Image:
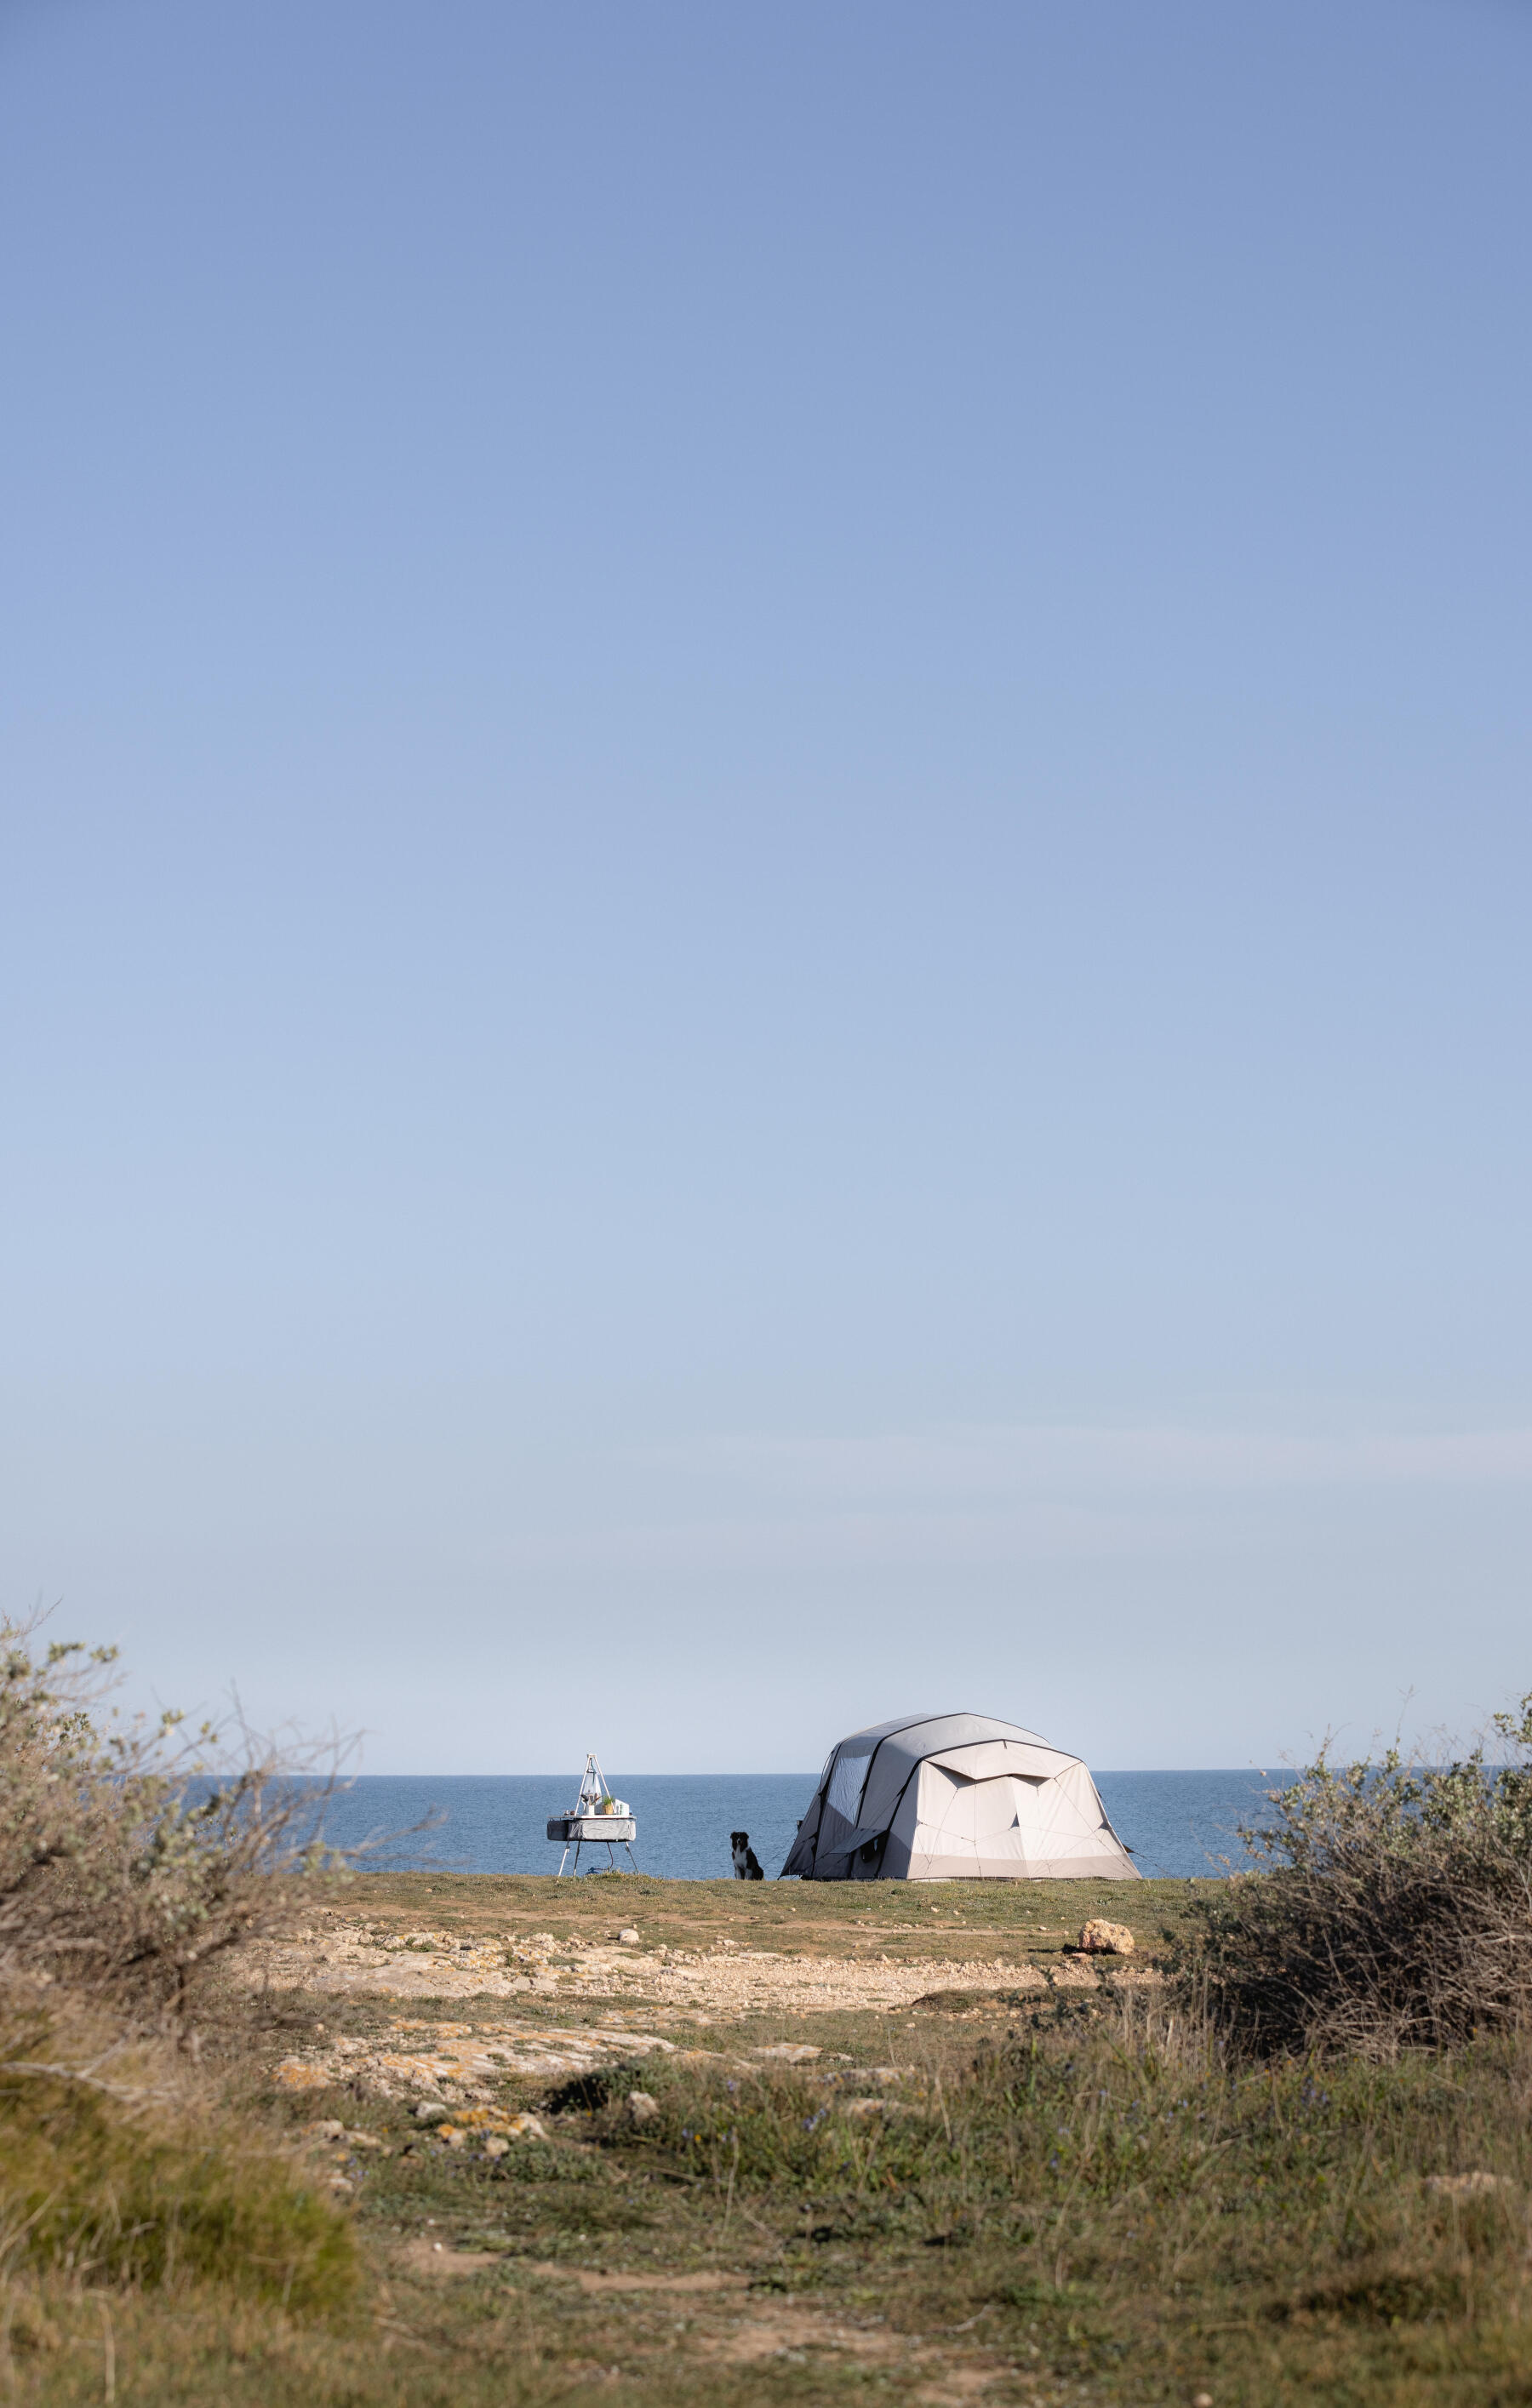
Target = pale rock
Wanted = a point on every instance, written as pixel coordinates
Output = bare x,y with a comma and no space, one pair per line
432,2110
294,2074
1102,1938
643,2108
1464,2186
629,1939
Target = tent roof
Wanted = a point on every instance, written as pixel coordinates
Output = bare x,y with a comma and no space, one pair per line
925,1727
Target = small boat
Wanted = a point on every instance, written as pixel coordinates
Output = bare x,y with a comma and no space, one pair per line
596,1819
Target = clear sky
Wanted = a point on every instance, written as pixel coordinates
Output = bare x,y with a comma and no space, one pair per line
764,913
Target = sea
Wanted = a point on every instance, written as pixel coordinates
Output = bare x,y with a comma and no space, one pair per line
1181,1825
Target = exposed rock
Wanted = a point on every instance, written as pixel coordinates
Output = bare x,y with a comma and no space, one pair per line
1102,1938
431,2110
629,1938
1464,2186
294,2074
450,2062
643,2108
1072,1975
494,2131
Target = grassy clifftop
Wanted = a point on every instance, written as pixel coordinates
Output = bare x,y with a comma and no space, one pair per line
437,2139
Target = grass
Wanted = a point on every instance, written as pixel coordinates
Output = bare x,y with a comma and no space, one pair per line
904,1919
116,2182
1074,2199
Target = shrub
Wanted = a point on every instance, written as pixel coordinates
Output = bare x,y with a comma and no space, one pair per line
124,1866
1392,1911
124,1871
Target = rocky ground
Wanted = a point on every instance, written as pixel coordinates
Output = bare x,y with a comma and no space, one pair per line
724,1979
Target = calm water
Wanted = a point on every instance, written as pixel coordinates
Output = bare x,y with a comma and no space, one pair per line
1179,1822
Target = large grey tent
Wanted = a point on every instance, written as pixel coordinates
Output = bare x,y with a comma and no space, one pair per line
955,1798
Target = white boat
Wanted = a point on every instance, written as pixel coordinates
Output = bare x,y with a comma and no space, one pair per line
596,1818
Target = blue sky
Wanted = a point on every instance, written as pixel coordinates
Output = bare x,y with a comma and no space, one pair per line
764,919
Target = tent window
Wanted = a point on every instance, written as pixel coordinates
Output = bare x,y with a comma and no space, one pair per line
846,1781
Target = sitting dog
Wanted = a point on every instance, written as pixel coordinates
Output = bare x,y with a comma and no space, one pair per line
746,1864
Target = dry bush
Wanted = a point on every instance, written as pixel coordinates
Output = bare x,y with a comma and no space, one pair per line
1393,1909
131,1860
131,1857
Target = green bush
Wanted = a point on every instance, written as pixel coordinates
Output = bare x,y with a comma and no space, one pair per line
1393,1909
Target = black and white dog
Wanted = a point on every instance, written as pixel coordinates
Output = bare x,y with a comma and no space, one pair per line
746,1864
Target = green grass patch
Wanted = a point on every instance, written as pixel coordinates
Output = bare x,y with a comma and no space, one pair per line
106,2191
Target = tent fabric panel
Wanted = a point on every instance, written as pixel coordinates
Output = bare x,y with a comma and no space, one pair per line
986,1758
971,1868
1018,1824
800,1856
897,1846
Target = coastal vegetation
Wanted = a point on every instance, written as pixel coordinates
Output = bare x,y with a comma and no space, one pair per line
1280,2150
1392,1909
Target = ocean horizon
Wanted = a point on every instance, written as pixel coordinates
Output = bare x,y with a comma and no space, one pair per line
1176,1825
